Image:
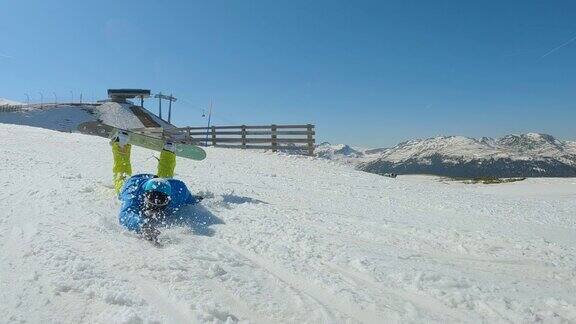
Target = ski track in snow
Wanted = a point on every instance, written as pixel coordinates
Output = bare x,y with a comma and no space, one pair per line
286,239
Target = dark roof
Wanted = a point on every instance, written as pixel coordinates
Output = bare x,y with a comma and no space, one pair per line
128,93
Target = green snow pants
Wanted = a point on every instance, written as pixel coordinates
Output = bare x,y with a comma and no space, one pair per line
122,167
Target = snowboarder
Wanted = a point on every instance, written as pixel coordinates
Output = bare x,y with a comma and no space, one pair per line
148,200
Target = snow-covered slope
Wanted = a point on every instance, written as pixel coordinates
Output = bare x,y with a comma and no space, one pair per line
67,117
120,115
278,239
62,118
529,154
4,101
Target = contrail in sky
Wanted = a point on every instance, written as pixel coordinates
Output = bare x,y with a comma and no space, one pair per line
5,56
559,47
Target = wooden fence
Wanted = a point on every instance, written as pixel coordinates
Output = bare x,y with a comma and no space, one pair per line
273,137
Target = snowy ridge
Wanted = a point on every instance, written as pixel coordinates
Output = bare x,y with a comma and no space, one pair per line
289,239
521,147
529,154
9,102
339,152
66,118
120,115
526,155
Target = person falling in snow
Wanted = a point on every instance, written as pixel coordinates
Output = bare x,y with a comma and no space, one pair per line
148,200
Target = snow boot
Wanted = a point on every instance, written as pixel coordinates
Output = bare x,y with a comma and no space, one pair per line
167,161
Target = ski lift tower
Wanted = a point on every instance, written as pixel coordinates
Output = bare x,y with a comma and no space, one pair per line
170,98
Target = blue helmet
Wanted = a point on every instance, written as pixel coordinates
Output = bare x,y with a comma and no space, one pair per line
158,185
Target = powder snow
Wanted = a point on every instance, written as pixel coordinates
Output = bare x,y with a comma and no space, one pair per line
278,238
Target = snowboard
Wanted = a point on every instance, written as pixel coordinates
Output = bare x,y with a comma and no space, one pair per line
184,150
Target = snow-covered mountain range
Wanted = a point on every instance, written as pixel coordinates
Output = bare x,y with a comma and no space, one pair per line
527,155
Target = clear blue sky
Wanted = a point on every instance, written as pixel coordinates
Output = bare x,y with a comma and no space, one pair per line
368,73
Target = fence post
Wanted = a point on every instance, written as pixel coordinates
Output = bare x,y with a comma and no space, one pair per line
189,138
274,137
213,135
243,136
310,140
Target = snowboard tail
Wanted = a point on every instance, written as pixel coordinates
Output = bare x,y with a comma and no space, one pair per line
184,150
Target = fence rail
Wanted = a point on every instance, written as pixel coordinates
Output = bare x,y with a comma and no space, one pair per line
274,137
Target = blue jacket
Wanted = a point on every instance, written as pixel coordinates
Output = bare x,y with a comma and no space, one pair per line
132,199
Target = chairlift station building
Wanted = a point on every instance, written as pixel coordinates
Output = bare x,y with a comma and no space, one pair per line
121,95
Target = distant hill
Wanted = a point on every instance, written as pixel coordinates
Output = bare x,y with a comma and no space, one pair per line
342,153
67,117
4,102
526,155
330,151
